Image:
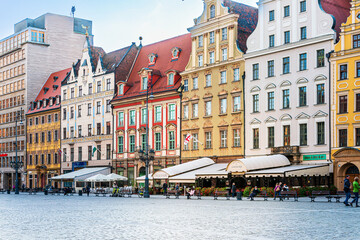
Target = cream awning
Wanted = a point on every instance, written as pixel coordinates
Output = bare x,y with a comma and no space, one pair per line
256,163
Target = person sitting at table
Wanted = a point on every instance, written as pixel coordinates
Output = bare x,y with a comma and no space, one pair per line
255,192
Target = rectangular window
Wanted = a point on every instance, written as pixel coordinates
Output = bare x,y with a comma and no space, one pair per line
143,116
89,109
72,93
98,128
171,140
255,71
255,138
271,40
108,84
208,140
303,33
343,138
212,37
195,145
320,58
172,112
223,105
208,80
343,72
236,135
224,54
286,129
144,83
64,115
343,104
108,127
89,152
195,110
158,114
357,102
171,79
79,110
64,155
223,139
186,85
286,11
132,118
89,130
201,41
222,77
79,153
121,144
271,100
357,136
64,135
157,141
121,119
224,33
286,98
108,151
132,143
303,6
49,136
271,69
256,103
195,83
72,155
71,112
358,69
287,37
90,89
56,135
98,89
79,130
236,75
320,133
186,145
236,104
200,60
286,65
271,15
303,62
302,96
98,107
271,137
356,41
303,134
320,94
211,57
143,142
108,105
208,108
72,132
186,112
98,151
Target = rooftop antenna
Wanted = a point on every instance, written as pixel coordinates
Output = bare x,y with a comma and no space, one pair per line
73,9
140,38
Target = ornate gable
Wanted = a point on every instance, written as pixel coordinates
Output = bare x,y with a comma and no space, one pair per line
255,121
320,114
302,115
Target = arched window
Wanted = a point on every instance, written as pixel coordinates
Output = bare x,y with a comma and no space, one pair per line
212,11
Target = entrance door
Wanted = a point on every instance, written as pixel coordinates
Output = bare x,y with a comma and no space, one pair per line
353,172
142,171
43,180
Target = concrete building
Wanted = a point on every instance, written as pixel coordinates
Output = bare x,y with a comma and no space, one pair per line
213,104
86,116
158,68
43,133
287,80
37,48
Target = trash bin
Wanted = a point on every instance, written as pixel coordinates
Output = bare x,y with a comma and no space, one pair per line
8,191
46,192
239,196
80,192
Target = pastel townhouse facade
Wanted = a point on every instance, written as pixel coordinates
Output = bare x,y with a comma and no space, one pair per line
37,48
287,80
345,69
86,116
213,97
157,71
43,133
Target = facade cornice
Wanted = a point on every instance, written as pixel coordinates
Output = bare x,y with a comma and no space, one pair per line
213,24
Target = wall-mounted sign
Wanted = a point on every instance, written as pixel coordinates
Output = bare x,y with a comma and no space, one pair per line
314,157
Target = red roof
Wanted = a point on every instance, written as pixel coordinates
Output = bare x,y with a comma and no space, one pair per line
51,88
339,9
162,65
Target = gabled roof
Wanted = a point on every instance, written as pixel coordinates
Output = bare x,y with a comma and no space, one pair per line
51,88
339,9
163,63
247,21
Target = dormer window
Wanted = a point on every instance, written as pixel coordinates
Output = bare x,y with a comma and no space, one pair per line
38,104
152,58
144,83
212,11
121,89
57,100
171,79
84,72
44,103
51,101
175,52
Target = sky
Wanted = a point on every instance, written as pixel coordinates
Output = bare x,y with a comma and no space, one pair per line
116,23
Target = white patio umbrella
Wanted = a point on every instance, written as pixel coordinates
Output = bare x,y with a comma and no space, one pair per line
97,178
115,177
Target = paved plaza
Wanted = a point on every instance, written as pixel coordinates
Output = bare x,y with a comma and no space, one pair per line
73,217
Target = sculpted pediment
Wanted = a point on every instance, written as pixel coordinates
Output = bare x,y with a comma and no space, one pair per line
302,115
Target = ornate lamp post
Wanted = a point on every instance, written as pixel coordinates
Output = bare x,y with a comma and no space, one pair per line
16,164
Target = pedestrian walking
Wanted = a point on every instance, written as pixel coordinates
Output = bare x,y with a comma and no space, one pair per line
87,190
347,190
165,186
233,190
177,188
277,190
356,192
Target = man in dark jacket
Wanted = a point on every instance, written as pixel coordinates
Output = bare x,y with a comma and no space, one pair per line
165,186
255,192
233,190
347,190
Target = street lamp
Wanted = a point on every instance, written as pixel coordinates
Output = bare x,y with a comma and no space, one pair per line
17,164
146,155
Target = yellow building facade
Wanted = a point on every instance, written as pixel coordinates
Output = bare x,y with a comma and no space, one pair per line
345,72
212,101
43,134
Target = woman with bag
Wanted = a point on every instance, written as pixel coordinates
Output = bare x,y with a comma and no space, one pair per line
277,190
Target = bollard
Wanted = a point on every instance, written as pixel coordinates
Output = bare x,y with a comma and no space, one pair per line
46,192
80,192
239,196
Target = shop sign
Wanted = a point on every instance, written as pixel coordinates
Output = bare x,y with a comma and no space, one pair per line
314,157
3,155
